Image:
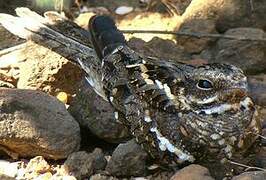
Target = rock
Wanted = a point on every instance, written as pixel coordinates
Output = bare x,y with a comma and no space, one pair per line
160,175
157,47
99,161
81,164
8,169
261,156
192,172
34,123
192,44
6,84
181,5
257,86
255,175
102,177
228,13
83,19
238,13
173,7
47,71
123,10
37,166
128,159
91,111
4,177
248,55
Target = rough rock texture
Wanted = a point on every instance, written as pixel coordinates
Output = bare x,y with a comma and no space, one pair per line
36,167
47,71
128,159
91,111
196,45
99,161
81,164
257,86
192,172
228,13
248,55
255,175
157,47
34,123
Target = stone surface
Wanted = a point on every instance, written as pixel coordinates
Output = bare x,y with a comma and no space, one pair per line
47,71
8,169
99,161
248,55
228,13
257,86
157,47
91,111
34,123
255,175
36,167
192,44
81,164
4,177
128,159
103,177
192,172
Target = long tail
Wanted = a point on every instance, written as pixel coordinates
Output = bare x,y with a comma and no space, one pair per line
62,36
105,36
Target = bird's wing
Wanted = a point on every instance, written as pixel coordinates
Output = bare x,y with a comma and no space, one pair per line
60,35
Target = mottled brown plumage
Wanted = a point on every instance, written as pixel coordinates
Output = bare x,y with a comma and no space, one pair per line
177,112
175,109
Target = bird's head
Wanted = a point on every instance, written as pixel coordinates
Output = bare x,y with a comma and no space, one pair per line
221,112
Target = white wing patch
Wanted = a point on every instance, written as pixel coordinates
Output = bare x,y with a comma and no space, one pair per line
165,144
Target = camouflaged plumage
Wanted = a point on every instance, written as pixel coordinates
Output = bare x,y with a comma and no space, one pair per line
167,106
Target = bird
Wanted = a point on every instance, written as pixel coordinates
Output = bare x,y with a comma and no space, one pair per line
177,112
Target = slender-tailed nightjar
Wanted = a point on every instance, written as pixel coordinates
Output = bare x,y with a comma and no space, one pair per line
177,112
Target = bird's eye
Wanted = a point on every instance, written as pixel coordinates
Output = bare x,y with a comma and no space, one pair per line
204,84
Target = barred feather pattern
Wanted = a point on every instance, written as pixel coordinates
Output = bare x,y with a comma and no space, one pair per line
177,112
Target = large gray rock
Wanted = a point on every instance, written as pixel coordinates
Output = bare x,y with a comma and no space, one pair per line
34,123
248,55
192,172
128,159
81,164
96,114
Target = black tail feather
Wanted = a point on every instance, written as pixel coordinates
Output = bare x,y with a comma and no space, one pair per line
105,36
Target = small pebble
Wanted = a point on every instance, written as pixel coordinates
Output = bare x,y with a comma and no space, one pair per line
123,10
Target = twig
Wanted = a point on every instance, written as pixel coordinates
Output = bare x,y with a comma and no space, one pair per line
11,49
251,5
191,34
246,166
